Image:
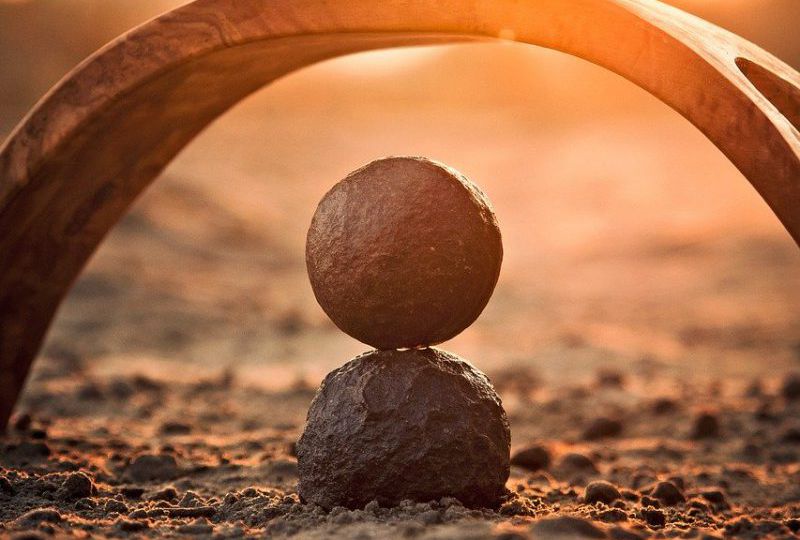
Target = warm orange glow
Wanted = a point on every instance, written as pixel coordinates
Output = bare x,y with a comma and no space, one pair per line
644,333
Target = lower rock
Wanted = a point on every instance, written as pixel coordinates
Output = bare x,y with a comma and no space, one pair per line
395,425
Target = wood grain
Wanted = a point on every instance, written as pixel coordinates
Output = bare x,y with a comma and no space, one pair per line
91,145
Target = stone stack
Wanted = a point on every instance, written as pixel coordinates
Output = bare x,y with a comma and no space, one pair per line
404,254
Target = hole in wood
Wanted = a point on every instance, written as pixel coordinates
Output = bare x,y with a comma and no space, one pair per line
780,92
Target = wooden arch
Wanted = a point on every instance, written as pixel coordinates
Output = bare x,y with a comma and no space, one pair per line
74,165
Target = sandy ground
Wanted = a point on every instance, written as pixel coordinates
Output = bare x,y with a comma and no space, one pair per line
645,328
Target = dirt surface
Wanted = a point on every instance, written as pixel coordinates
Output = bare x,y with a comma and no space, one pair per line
644,331
134,455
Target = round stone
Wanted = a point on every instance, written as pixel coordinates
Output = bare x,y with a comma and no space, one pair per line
601,491
404,252
395,425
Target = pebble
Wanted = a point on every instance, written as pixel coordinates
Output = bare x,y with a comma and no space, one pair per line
698,505
791,387
191,499
132,492
153,467
629,495
39,515
714,496
139,513
649,501
612,515
607,378
668,493
566,526
90,391
38,434
532,458
791,435
706,426
654,518
601,491
5,486
76,486
116,506
131,526
146,384
576,463
602,428
166,494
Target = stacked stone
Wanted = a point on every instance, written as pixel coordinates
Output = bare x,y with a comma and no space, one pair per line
404,254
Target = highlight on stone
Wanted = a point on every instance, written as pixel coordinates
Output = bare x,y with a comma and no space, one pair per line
404,252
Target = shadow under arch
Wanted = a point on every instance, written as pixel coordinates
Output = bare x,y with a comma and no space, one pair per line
74,165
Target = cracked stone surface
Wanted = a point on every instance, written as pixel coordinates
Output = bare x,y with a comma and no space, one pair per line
396,425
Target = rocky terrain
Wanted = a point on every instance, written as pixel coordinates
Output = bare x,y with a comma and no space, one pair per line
609,458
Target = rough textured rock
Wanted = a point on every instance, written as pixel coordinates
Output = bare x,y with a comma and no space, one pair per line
404,252
395,425
76,486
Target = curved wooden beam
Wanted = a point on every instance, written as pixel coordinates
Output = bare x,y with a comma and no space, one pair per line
78,160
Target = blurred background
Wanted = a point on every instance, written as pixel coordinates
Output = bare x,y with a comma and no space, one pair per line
630,240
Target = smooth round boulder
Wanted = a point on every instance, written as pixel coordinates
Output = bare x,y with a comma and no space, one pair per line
395,425
404,252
